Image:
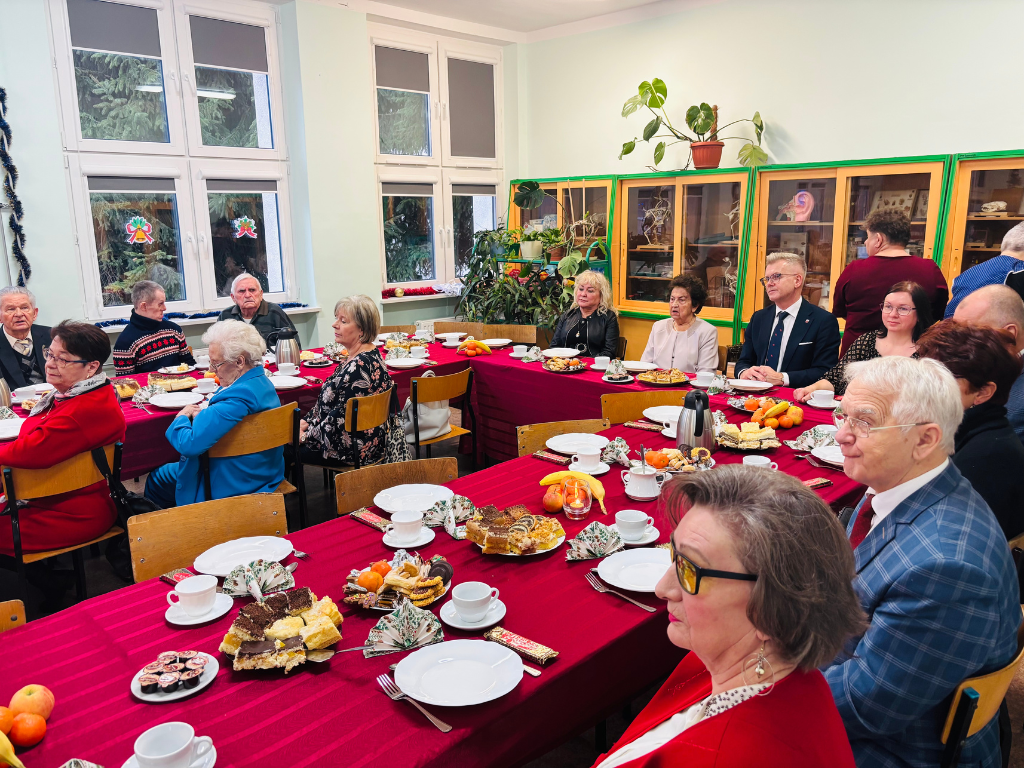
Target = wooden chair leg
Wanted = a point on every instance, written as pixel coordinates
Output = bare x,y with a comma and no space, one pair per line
94,550
81,591
299,480
327,478
601,737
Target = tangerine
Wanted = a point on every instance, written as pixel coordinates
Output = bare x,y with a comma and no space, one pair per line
27,729
771,423
752,404
656,459
785,421
382,567
6,718
370,580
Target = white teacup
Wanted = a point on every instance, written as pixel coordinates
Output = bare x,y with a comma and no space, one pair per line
419,352
25,392
760,461
704,378
473,599
601,361
519,350
632,524
405,526
287,369
171,745
823,396
203,361
586,461
644,485
206,386
195,595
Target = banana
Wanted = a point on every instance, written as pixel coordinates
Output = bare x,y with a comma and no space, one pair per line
595,485
7,753
481,346
775,410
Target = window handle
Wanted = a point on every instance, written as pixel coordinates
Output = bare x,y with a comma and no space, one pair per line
174,80
444,109
187,79
451,238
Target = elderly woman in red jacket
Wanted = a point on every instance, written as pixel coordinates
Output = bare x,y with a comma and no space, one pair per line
80,413
761,594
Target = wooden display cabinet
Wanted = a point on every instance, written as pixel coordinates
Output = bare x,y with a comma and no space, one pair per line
591,197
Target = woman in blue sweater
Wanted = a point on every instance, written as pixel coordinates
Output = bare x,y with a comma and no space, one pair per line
236,356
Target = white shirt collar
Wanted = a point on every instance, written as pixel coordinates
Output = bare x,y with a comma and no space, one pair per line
792,309
885,502
11,340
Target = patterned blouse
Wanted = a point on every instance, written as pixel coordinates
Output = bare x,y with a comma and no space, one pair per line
862,349
363,374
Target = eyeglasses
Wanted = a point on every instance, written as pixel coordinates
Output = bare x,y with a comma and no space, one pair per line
690,574
61,362
861,428
217,366
776,277
902,311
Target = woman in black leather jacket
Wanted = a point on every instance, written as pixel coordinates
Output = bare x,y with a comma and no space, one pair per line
590,325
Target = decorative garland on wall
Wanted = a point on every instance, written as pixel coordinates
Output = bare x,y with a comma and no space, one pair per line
10,182
196,316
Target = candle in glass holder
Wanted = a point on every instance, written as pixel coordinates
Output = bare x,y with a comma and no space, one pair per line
576,498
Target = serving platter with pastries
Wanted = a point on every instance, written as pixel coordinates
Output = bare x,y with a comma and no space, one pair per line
672,377
675,460
748,436
384,585
769,411
174,675
514,531
318,359
125,387
564,365
171,383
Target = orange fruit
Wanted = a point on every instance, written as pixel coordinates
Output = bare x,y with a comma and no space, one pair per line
771,423
758,415
656,459
6,718
752,404
470,345
785,421
27,729
796,414
470,353
381,567
370,580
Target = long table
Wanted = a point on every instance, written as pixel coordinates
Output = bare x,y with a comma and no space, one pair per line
334,714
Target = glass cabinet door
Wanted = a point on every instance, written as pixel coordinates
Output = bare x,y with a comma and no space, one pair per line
907,192
650,236
545,217
984,230
711,238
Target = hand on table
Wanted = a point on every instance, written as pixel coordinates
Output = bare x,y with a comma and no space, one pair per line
757,373
802,395
773,377
190,410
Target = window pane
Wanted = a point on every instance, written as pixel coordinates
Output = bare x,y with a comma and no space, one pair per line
471,213
120,97
403,118
711,239
137,239
246,238
234,108
471,107
409,238
650,242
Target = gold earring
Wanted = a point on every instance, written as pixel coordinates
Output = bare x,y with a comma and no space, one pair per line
758,662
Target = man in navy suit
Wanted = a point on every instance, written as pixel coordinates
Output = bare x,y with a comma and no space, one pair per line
792,342
22,341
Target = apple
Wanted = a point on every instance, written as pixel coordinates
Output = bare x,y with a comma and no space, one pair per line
34,699
552,500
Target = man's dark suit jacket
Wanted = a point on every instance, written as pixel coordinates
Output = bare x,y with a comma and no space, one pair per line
812,349
9,366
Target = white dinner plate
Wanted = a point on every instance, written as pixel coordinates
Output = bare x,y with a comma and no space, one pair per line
287,382
638,570
560,352
405,362
172,369
831,454
221,605
638,366
626,380
411,497
10,428
494,343
224,558
175,400
749,385
208,676
459,673
663,414
574,442
450,335
450,616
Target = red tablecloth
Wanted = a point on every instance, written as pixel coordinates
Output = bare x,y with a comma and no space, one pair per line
334,714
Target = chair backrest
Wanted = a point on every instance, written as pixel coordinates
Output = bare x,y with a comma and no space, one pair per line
620,407
476,330
357,488
367,412
532,437
520,334
428,389
12,614
172,538
620,348
258,432
991,689
397,329
69,475
723,357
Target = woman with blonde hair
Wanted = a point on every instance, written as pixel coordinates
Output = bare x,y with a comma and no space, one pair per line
590,325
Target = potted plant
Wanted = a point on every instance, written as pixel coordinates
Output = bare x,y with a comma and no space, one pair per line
705,144
553,244
531,246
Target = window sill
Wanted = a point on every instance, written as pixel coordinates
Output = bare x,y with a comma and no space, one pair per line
402,299
185,323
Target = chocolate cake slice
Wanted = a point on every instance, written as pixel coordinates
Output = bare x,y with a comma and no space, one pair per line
300,600
247,629
277,604
270,654
260,615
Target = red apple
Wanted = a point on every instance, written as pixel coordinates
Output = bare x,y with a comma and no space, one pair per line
34,699
552,500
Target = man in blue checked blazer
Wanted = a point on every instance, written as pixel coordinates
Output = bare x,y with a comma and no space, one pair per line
790,342
934,574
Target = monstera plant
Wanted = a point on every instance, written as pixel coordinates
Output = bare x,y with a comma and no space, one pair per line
702,119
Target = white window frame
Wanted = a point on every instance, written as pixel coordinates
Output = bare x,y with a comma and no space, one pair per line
252,15
83,166
443,266
389,37
63,61
204,169
451,177
484,54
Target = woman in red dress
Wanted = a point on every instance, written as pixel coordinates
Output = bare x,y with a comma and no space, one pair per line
80,413
761,594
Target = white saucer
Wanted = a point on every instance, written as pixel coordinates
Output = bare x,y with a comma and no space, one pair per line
221,605
601,469
206,761
425,538
451,617
826,407
451,345
626,380
594,367
641,498
513,355
693,383
669,433
650,536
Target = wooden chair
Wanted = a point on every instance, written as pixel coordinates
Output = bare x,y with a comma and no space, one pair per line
430,389
723,357
520,334
397,329
12,614
975,703
621,407
70,475
620,348
260,432
172,538
532,437
356,490
476,330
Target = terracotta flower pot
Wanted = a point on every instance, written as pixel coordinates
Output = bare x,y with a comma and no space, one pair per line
707,154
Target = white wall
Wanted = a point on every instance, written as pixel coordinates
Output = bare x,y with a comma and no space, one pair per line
833,80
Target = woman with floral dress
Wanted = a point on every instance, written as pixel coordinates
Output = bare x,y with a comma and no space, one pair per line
325,441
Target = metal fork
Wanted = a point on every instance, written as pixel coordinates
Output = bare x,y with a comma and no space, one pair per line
395,693
815,463
599,585
300,555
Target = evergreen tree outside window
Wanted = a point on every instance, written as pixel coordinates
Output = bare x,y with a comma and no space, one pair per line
403,101
474,209
408,211
245,233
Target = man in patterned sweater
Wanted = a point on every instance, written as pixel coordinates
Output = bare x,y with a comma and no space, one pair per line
149,342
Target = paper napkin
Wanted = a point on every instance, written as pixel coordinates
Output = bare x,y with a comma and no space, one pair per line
616,452
532,355
596,540
7,413
76,763
458,506
815,437
258,578
404,628
144,393
397,353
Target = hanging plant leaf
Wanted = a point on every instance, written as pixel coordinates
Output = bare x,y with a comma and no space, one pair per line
659,152
633,103
700,119
758,125
752,155
628,147
529,195
659,87
652,128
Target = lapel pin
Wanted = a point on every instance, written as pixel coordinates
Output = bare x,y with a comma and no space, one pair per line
807,320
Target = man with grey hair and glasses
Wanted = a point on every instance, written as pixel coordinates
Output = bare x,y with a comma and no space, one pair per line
990,272
22,342
250,307
934,574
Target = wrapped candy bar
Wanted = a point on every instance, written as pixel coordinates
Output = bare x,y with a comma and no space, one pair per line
535,652
366,517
